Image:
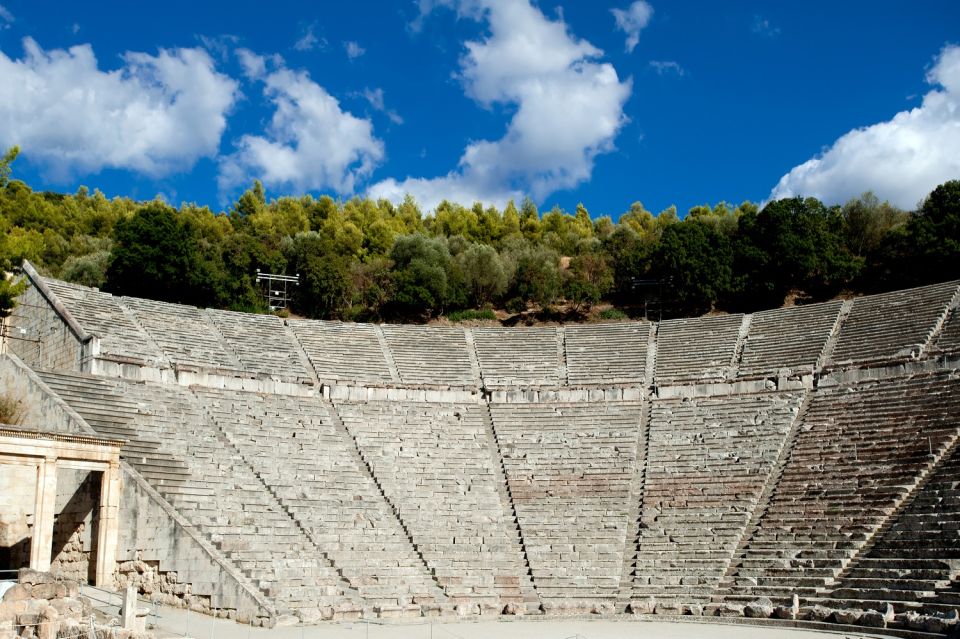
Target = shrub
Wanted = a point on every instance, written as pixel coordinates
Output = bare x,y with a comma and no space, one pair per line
471,314
612,314
12,410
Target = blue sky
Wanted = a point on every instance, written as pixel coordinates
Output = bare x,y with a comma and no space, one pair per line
602,103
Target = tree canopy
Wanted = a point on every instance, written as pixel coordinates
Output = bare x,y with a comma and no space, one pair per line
363,259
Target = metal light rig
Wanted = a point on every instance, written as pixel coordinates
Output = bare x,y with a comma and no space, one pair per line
276,288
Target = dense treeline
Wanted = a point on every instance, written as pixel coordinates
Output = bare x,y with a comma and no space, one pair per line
372,260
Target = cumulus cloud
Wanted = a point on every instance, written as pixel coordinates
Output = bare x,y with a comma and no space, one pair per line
632,20
353,49
900,160
155,115
567,109
311,143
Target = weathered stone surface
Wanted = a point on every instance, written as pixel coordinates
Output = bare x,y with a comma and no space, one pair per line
761,608
643,606
669,608
727,609
847,616
873,619
817,613
20,592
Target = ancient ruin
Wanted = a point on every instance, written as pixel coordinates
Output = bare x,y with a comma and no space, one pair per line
798,464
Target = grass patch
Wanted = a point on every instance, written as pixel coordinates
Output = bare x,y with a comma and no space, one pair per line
612,314
469,314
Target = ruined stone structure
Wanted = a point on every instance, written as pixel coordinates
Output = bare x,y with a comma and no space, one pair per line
798,463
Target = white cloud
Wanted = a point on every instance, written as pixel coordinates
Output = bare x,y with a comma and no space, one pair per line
155,115
309,40
663,67
375,98
567,108
353,50
900,160
5,15
310,143
632,20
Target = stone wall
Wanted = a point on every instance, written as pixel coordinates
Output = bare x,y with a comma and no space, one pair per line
17,496
45,411
75,527
40,336
167,561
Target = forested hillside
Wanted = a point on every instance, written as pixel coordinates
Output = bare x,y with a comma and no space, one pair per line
372,260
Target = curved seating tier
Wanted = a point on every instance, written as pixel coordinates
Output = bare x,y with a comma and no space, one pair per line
295,448
262,343
435,355
183,334
343,351
435,464
569,468
788,339
707,463
859,451
892,326
523,356
604,354
102,315
916,563
949,340
697,349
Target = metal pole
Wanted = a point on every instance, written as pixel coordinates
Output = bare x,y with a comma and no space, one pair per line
212,624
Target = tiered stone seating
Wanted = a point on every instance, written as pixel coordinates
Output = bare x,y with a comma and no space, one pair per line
949,340
859,451
183,333
435,464
522,356
607,353
100,314
104,406
343,351
788,340
262,344
293,445
434,355
697,349
227,502
892,326
916,564
707,462
184,457
569,467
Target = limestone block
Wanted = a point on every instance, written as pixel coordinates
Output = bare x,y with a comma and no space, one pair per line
727,609
873,619
761,608
816,613
847,616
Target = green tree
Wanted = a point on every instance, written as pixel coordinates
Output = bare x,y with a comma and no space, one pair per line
587,280
155,256
793,244
486,277
696,261
421,275
5,164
